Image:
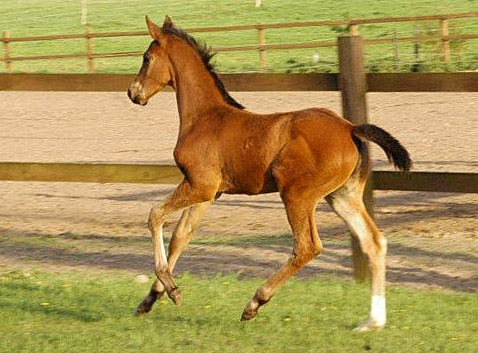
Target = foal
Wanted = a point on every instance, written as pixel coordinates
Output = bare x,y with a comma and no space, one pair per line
304,155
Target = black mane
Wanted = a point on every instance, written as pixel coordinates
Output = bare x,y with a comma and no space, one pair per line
206,55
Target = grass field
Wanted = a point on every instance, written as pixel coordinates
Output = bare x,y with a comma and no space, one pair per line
74,312
34,17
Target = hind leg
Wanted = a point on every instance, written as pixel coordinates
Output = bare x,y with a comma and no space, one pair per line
304,173
347,203
182,234
307,245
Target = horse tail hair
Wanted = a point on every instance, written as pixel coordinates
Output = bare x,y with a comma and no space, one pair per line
396,153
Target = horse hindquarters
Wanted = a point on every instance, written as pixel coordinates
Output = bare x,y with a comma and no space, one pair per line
302,178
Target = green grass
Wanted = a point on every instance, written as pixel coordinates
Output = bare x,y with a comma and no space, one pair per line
46,17
74,312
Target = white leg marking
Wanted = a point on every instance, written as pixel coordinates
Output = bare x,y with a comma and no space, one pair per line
164,259
359,226
160,259
378,313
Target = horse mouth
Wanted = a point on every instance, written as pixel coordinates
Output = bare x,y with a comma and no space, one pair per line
136,99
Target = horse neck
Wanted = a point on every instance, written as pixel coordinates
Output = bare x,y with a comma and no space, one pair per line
196,91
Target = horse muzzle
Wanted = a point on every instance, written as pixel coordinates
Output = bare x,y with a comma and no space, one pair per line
136,95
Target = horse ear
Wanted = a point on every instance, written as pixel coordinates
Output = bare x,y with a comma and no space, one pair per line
168,22
155,31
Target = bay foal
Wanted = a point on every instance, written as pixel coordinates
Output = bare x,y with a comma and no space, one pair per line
304,155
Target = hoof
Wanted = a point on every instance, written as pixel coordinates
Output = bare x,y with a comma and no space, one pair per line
143,308
176,296
369,326
147,303
248,314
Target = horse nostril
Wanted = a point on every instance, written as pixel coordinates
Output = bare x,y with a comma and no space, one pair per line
129,94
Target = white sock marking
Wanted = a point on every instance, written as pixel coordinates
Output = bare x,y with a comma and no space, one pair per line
161,244
378,312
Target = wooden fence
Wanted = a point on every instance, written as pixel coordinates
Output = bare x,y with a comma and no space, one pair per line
352,81
170,174
353,27
375,82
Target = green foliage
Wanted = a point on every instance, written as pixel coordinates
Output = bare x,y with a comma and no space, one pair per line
73,312
47,17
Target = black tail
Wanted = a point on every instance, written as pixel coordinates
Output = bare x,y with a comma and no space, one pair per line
396,153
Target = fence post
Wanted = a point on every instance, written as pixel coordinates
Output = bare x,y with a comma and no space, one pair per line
89,51
84,12
395,51
353,86
444,32
353,30
6,47
416,50
262,51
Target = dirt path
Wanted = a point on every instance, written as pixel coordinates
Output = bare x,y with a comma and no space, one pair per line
432,236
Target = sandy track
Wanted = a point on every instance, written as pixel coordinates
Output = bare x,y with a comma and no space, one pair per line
432,236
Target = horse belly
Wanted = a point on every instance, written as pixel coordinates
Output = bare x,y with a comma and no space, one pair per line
249,181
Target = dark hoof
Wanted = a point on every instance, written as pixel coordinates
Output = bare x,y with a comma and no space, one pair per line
142,309
248,315
176,296
146,305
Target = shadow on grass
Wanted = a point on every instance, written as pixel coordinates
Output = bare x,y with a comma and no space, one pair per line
246,256
78,315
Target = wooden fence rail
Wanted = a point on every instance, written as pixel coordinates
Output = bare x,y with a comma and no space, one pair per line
254,82
170,174
353,26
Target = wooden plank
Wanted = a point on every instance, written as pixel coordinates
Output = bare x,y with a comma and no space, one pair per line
305,24
422,39
69,82
302,45
74,56
47,57
170,174
120,82
256,82
426,181
90,173
413,18
257,26
47,38
423,82
377,82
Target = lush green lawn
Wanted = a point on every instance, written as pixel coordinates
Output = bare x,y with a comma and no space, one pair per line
35,17
74,312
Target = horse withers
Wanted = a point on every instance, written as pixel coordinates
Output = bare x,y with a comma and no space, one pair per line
304,155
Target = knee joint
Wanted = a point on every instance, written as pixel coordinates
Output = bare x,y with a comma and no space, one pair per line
155,217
